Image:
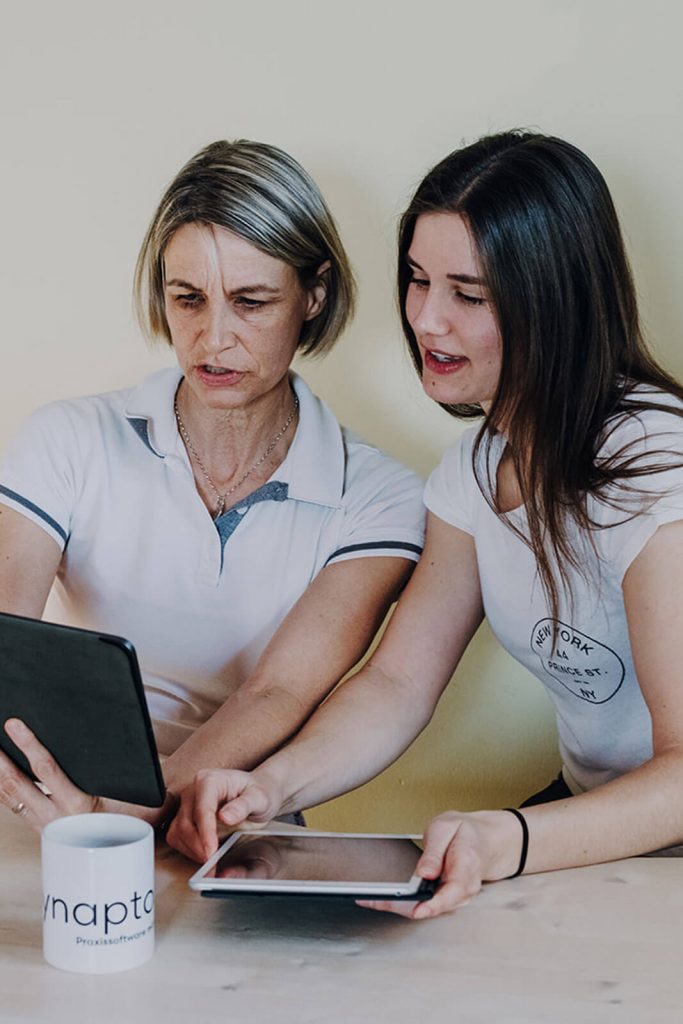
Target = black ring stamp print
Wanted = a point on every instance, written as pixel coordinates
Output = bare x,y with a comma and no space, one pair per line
585,667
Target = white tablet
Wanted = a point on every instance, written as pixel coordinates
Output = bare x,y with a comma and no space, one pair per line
306,863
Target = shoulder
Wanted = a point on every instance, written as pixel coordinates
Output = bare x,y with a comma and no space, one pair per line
648,420
332,465
380,510
84,424
72,419
458,458
82,408
452,487
641,459
381,503
369,468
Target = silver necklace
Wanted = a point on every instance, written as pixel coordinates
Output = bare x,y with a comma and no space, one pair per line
222,498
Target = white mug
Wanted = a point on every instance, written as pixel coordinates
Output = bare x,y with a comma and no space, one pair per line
98,892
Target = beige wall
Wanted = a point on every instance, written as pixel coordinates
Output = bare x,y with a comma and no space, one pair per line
99,105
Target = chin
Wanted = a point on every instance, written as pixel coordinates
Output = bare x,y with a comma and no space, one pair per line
440,391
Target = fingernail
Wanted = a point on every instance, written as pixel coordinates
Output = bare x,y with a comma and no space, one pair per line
15,725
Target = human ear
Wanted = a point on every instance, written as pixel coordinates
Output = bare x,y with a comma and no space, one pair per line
317,292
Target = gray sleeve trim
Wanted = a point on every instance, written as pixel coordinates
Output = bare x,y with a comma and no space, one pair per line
376,545
36,511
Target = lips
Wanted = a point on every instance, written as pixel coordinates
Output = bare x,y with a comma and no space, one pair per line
217,376
443,362
215,370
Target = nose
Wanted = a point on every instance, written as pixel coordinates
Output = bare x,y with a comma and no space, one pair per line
218,329
431,316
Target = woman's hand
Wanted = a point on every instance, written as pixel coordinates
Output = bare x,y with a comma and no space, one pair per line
462,851
221,796
24,797
56,796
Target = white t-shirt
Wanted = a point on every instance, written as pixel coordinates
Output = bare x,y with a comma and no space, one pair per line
603,722
109,479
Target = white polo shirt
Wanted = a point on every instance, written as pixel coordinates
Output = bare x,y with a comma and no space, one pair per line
109,479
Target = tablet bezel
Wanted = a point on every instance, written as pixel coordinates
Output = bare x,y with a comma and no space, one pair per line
415,888
94,702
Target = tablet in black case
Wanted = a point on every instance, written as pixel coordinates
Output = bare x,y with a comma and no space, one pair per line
82,695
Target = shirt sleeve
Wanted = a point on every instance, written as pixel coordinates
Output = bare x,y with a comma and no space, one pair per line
383,510
449,491
40,469
635,508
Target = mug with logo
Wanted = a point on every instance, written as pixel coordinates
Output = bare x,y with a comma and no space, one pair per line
98,892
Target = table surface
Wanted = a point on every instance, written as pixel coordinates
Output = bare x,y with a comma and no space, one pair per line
596,944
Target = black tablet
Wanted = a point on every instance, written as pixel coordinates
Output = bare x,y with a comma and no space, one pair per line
301,862
81,693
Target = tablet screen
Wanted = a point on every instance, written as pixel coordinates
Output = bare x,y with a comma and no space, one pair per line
314,858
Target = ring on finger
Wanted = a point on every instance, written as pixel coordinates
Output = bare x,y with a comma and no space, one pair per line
20,809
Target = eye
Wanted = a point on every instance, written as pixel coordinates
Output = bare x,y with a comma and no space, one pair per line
188,300
247,303
419,282
469,300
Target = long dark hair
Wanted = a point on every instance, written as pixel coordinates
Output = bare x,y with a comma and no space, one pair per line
551,251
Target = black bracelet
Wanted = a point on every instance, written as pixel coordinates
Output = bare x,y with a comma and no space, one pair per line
525,840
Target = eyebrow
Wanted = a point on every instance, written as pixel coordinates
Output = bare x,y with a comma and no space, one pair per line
247,289
461,278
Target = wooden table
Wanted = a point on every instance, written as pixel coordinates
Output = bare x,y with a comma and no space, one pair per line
597,944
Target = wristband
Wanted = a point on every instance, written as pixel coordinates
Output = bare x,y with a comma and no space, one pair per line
525,840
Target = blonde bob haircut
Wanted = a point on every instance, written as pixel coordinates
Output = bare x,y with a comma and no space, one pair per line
263,195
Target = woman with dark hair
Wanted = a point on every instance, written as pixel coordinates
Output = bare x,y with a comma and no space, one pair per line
560,518
216,514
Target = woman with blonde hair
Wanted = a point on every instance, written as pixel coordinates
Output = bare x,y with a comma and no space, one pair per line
217,514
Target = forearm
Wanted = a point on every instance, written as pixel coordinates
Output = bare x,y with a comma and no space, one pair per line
370,720
251,724
636,813
362,728
639,812
324,635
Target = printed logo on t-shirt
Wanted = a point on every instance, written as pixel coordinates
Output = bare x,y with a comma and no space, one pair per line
584,666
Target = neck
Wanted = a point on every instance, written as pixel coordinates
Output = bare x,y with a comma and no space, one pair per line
230,441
